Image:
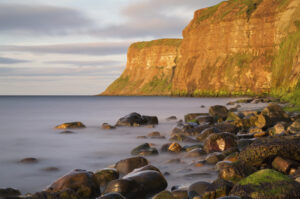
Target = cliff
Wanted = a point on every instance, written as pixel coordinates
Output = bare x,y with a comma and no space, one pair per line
236,47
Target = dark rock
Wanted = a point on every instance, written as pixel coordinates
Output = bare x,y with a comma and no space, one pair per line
180,194
215,157
283,165
70,125
82,182
127,165
9,193
232,157
195,153
264,149
275,113
107,126
67,132
217,189
243,143
104,176
29,160
191,117
165,147
191,129
126,187
51,169
144,150
181,138
230,197
204,119
205,133
156,135
227,127
112,196
141,137
267,183
219,142
234,171
232,116
145,168
164,195
64,194
198,189
135,119
218,112
188,148
171,118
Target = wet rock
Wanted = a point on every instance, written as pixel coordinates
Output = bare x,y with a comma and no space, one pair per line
232,157
82,182
29,160
175,160
217,189
171,118
218,112
191,117
146,168
243,143
204,119
104,176
267,183
71,125
66,132
107,126
264,149
112,196
294,127
198,189
180,194
230,197
219,142
141,137
283,165
205,133
195,153
275,113
278,129
156,135
64,194
191,147
144,150
127,165
227,127
165,147
215,157
126,187
234,171
135,119
175,147
9,193
232,117
164,195
182,138
51,169
191,129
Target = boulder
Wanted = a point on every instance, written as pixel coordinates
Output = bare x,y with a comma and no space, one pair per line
145,168
171,118
156,135
181,138
198,189
204,119
205,133
227,127
234,171
275,113
83,183
191,129
294,127
9,193
135,119
284,165
264,149
278,129
191,147
195,153
29,160
126,187
243,143
180,194
218,112
107,126
164,195
219,142
144,150
71,125
215,157
191,117
127,165
112,196
165,147
175,147
104,176
267,183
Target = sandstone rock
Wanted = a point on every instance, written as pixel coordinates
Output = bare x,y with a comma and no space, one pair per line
164,195
82,182
283,165
219,142
135,119
144,150
267,183
266,148
104,176
232,117
218,112
278,129
175,147
71,125
127,165
294,127
112,196
107,126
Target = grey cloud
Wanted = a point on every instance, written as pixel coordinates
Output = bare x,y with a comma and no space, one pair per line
102,48
41,19
5,60
87,63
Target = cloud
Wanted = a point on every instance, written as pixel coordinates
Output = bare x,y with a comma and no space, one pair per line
41,19
5,60
87,63
154,18
97,48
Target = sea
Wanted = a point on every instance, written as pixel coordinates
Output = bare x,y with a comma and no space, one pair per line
27,130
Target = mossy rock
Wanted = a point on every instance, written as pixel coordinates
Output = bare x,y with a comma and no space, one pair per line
164,195
269,184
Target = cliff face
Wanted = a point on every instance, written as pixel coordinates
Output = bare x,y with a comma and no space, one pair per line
237,47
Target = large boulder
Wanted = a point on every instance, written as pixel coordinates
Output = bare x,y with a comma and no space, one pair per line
144,150
70,125
267,183
265,149
104,176
82,183
125,166
275,113
112,196
294,127
126,187
135,119
218,112
219,142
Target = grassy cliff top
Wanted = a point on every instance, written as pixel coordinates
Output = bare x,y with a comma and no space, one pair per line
159,42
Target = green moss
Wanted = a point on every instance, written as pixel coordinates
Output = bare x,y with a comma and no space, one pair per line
157,86
118,84
159,42
264,176
297,24
207,13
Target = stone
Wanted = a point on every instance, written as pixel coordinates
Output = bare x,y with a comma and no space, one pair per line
126,187
195,153
275,113
156,135
198,188
71,125
51,169
82,182
104,176
294,127
204,119
9,193
164,195
205,133
227,127
218,112
283,165
215,157
217,189
193,130
135,119
264,149
165,147
125,166
180,194
66,132
219,142
146,168
267,183
232,157
107,126
64,194
144,150
234,171
191,117
112,196
182,138
175,147
171,118
278,129
243,143
29,160
232,117
191,147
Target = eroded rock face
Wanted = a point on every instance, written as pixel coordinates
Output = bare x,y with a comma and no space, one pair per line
135,119
81,182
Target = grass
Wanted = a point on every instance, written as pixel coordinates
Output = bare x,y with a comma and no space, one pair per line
207,13
118,84
159,42
157,85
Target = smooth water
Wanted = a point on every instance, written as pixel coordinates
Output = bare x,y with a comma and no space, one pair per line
27,130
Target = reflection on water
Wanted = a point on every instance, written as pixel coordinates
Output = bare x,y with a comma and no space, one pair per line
26,130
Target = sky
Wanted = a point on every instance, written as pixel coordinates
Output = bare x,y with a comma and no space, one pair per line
78,47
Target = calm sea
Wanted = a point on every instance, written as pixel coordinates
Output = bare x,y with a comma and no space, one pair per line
27,130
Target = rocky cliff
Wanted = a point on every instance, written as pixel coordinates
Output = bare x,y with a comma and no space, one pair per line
236,47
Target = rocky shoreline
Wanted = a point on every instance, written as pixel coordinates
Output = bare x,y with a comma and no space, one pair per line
256,154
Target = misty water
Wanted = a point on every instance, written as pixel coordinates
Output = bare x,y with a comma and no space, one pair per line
27,130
